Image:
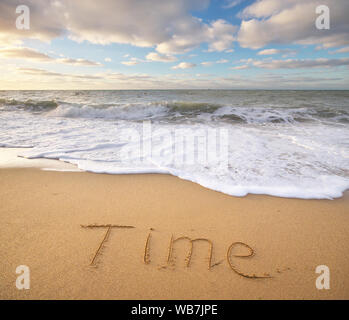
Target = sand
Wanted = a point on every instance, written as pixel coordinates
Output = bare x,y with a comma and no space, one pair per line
45,214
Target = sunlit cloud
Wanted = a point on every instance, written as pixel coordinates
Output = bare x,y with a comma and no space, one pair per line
301,63
77,43
34,55
285,52
154,56
292,21
184,65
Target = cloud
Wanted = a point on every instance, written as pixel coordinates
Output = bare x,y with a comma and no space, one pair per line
47,21
36,56
99,76
207,63
301,63
277,51
140,23
249,60
292,63
293,21
210,63
266,8
170,28
184,65
132,62
24,53
245,66
78,62
107,59
166,25
33,78
342,50
45,73
38,72
232,4
219,35
154,56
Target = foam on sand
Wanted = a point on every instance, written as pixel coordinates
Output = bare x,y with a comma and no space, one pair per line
288,144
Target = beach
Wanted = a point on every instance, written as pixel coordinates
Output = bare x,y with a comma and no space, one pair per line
174,150
98,236
174,194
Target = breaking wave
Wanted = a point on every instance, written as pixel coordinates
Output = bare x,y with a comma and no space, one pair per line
290,144
180,111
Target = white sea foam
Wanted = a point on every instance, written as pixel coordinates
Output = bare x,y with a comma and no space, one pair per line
296,146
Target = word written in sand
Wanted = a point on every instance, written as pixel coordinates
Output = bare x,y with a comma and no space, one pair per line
173,241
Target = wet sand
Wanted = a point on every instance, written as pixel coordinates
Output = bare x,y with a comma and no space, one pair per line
69,229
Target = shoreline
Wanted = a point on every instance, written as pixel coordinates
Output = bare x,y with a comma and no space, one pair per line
10,159
43,213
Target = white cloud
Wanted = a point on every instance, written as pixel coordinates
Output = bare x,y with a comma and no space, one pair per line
31,78
292,63
78,62
170,28
219,36
83,77
107,59
210,63
249,60
222,61
38,72
132,62
46,21
293,21
267,8
140,23
154,56
36,56
232,4
184,65
301,63
277,51
268,52
342,50
207,63
165,24
24,53
245,66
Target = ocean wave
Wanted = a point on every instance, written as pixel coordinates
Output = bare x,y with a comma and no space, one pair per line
30,105
177,111
283,144
121,112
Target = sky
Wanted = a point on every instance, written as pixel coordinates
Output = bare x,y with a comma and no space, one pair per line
174,44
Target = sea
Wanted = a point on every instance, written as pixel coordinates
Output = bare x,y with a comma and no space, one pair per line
283,143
